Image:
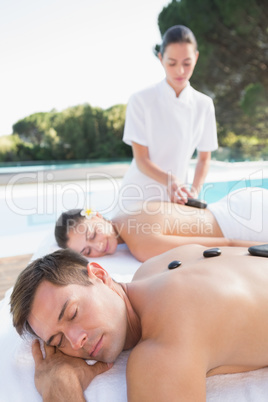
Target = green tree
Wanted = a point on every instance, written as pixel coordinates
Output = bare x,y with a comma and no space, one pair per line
9,148
114,145
33,128
80,129
77,133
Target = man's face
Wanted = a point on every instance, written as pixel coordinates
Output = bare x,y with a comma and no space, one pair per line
83,321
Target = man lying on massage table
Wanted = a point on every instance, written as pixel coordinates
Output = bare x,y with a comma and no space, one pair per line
205,317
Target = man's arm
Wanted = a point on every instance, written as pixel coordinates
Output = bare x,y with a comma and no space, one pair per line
145,247
164,372
59,377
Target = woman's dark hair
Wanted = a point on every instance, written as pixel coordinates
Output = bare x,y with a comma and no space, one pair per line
65,222
177,34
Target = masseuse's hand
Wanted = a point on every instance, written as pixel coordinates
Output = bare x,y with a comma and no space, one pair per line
178,192
59,377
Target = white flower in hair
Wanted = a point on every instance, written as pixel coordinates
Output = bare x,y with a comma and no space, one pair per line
88,213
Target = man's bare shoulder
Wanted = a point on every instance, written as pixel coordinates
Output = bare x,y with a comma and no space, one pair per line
162,371
139,383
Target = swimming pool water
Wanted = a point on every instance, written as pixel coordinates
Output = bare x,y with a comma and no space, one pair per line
41,166
213,192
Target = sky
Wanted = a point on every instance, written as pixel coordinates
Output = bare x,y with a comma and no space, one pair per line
60,53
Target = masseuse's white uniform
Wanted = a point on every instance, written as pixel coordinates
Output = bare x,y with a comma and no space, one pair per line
172,128
243,214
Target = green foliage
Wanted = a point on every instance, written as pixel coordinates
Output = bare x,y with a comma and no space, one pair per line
33,128
8,148
12,148
80,132
115,123
254,97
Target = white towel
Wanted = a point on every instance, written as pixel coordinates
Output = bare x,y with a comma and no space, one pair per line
243,214
17,365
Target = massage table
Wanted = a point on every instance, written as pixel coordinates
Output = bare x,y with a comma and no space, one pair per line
17,365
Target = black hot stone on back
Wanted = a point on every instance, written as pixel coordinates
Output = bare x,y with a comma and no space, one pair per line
174,264
261,250
212,252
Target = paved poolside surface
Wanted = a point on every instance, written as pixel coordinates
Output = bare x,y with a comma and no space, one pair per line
57,175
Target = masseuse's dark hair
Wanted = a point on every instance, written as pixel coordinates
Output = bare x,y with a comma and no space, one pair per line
177,34
61,268
67,220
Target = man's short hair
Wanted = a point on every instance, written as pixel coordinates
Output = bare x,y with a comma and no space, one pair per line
62,268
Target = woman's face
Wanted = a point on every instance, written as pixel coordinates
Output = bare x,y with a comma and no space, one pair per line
179,61
93,237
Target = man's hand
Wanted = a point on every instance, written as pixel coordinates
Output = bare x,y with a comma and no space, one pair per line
59,377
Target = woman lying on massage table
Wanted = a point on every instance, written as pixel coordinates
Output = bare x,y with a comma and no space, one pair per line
155,227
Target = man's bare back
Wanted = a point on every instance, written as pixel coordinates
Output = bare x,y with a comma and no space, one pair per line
208,316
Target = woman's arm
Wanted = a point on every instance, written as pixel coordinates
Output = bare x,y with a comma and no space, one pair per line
201,171
175,189
146,166
147,246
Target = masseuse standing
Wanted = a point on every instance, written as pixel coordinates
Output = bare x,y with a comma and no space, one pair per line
166,123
